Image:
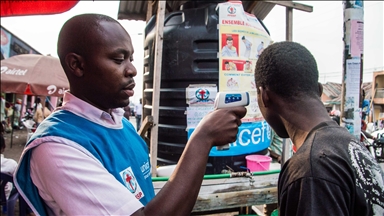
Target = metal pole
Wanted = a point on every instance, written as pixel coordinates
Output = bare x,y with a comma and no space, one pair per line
288,37
13,117
351,100
285,153
156,84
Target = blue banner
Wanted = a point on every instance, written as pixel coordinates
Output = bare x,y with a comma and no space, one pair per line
252,137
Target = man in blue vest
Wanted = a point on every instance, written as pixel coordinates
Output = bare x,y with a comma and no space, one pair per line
86,158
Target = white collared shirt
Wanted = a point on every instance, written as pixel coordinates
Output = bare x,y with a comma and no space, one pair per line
71,182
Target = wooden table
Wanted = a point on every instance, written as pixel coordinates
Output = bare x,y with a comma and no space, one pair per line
235,192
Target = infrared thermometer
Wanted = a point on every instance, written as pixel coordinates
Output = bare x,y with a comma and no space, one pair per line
230,99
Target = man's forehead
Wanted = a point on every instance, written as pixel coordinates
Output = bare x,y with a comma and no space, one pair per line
112,31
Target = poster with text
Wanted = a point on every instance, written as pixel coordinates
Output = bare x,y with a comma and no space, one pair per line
242,38
200,98
357,38
352,119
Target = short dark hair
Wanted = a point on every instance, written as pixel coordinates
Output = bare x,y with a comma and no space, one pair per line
288,69
77,40
229,38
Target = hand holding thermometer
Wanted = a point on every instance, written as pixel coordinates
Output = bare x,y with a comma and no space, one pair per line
230,99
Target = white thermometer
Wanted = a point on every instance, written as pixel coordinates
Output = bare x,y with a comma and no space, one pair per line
230,99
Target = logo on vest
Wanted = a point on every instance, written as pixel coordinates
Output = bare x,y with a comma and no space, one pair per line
131,183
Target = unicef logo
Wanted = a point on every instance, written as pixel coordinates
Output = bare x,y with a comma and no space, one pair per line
202,94
231,10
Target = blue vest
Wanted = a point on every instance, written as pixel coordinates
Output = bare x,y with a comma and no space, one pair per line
121,151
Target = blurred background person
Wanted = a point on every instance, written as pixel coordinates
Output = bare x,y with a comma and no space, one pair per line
127,112
9,115
335,115
8,166
3,113
40,112
138,113
17,111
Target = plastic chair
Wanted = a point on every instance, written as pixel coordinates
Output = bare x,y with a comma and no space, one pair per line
10,204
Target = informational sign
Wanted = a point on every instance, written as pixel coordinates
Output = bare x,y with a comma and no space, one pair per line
357,38
354,29
352,118
201,94
252,137
242,38
195,114
200,98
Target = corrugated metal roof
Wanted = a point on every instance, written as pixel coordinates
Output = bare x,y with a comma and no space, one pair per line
333,91
137,10
132,10
261,9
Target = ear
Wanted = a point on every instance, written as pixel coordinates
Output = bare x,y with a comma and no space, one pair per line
264,97
320,86
75,64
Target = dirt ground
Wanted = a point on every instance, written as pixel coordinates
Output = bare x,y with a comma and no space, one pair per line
15,143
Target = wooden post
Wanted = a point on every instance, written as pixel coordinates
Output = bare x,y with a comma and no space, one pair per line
149,10
294,5
156,84
289,23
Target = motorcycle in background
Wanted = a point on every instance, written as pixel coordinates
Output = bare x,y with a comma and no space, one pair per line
27,116
375,146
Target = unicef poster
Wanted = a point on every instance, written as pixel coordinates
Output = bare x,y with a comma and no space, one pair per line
242,39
